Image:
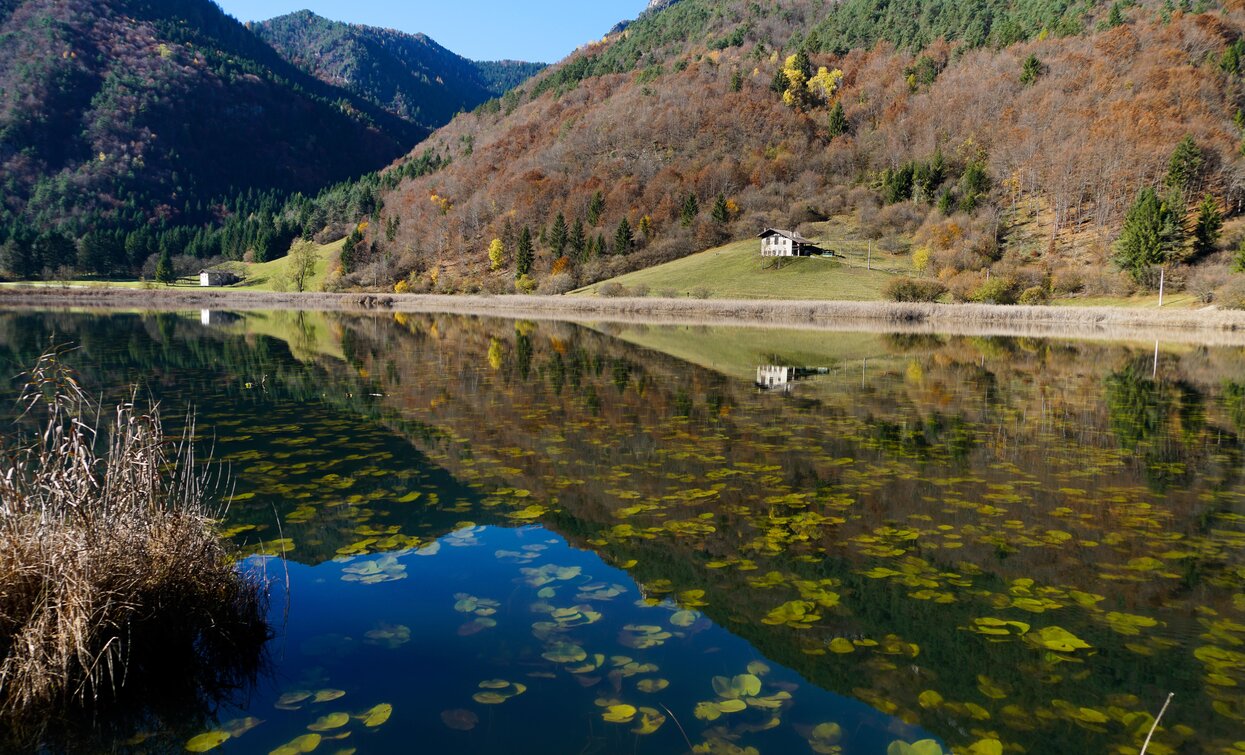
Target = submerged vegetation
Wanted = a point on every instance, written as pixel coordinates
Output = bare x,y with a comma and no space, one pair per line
114,584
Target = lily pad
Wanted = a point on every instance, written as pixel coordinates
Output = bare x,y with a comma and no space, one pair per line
376,715
209,740
330,722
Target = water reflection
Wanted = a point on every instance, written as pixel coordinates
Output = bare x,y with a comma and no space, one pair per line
998,540
782,379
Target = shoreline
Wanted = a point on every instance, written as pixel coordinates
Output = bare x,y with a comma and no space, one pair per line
1209,326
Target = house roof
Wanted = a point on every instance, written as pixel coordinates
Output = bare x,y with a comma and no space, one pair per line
797,238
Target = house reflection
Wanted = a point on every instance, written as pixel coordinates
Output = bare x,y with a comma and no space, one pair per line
217,317
781,379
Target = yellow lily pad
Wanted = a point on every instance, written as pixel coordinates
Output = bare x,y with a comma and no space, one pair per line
208,740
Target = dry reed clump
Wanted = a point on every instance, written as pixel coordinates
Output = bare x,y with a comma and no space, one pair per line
113,581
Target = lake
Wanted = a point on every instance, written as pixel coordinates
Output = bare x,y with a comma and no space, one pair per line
535,537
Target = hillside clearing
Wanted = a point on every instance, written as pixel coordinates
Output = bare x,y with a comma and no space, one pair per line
737,271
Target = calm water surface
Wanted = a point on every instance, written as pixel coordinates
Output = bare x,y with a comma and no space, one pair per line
548,538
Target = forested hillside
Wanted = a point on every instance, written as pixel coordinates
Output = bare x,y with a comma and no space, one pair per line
408,75
139,114
1010,139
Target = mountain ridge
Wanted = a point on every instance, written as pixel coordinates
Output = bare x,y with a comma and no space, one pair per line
408,75
119,112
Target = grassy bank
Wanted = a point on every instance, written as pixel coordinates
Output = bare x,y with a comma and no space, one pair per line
1208,326
115,589
860,272
273,275
737,271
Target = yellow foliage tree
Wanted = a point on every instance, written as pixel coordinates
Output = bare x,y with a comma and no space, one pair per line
920,258
806,89
496,254
825,84
797,83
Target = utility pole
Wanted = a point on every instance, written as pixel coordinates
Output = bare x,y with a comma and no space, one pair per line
1162,282
869,259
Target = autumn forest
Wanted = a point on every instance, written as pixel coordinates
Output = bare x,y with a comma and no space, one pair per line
1000,151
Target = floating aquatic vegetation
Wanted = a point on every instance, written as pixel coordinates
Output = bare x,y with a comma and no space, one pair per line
825,738
391,636
291,700
643,636
375,716
498,691
564,652
301,744
1056,639
387,568
796,614
330,722
206,741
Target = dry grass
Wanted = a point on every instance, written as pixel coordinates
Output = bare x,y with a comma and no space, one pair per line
1210,325
113,581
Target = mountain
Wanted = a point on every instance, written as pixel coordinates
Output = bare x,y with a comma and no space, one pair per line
1000,140
409,75
127,113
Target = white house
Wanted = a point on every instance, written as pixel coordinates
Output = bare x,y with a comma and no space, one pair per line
211,278
776,242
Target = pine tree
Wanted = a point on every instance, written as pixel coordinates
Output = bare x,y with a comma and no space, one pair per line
838,121
558,236
1209,225
737,81
1152,233
164,269
525,254
689,210
596,208
721,210
1185,165
1031,70
623,240
779,83
579,244
1116,18
803,64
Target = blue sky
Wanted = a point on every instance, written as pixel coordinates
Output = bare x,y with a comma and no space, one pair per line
546,30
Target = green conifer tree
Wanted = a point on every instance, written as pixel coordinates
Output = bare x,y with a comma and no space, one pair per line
1116,17
721,210
838,121
525,254
164,269
1208,227
579,244
1185,165
1030,70
689,210
623,240
558,236
596,208
1152,234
